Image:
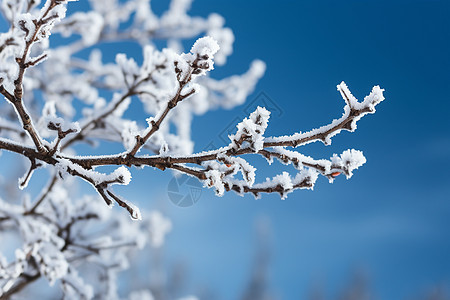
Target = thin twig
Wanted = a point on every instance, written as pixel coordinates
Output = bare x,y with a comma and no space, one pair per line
155,124
43,196
17,101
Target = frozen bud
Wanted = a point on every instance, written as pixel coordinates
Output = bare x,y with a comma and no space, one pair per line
205,47
203,54
250,132
27,24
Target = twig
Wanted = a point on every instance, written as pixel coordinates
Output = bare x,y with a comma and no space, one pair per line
43,196
16,100
130,92
305,183
27,177
140,141
25,280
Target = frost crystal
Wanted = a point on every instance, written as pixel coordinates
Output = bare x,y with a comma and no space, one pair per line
203,53
349,160
250,132
205,46
214,179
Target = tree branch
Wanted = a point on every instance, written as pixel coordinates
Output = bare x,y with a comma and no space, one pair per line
155,124
25,280
109,110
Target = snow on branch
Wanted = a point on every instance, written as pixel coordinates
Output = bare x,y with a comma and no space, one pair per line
353,112
250,131
248,139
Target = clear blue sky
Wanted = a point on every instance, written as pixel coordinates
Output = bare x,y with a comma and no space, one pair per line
391,220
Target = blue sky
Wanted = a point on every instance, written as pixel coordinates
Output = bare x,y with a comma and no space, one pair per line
391,219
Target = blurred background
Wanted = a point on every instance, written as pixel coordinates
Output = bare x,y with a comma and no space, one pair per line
383,234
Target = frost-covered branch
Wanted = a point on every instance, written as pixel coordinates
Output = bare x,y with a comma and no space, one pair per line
34,29
353,112
187,67
249,139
